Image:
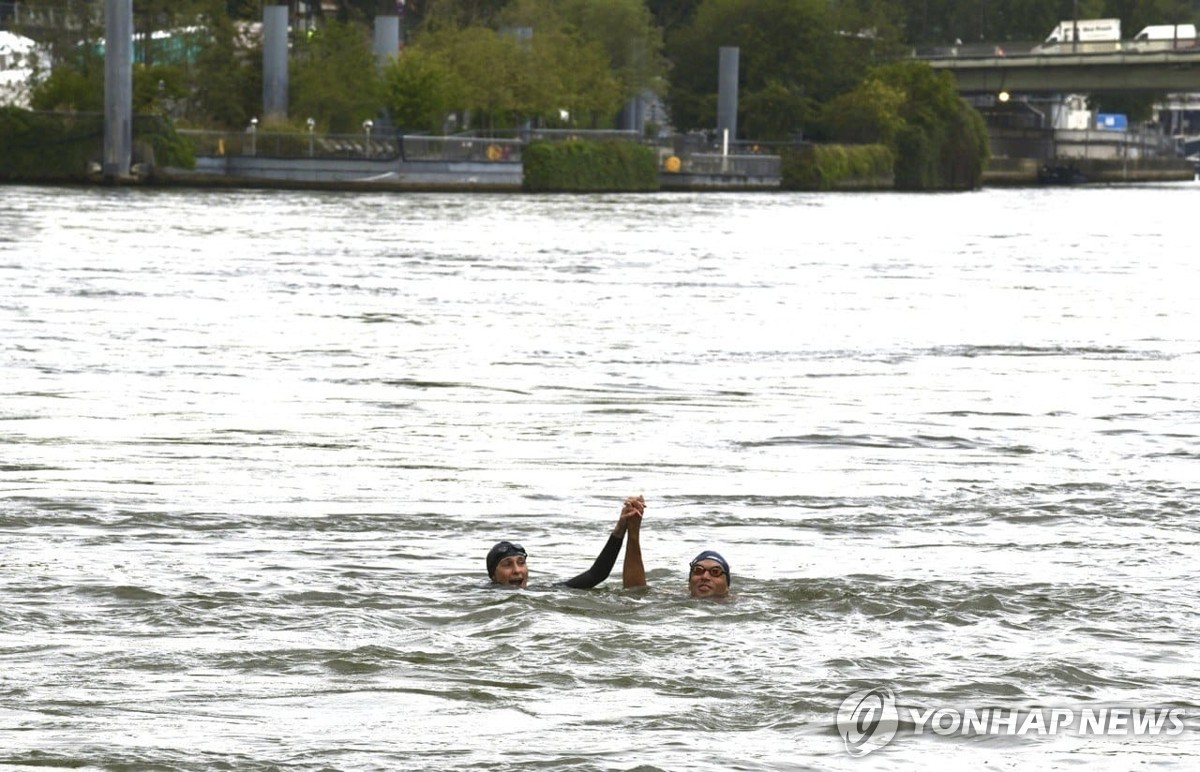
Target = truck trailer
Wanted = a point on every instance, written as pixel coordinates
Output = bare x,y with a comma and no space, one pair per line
1084,35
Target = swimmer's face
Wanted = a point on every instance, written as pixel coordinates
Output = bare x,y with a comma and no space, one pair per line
701,580
511,571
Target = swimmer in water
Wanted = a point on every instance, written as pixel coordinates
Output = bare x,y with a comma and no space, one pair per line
507,562
708,573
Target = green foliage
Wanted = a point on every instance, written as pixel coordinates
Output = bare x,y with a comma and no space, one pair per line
869,113
941,142
460,13
502,78
225,80
794,55
829,167
623,30
50,147
170,149
577,166
916,159
567,74
70,88
45,147
420,88
672,14
156,86
216,84
335,78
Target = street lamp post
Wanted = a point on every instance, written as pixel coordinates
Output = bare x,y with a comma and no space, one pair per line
367,125
1075,27
253,136
311,125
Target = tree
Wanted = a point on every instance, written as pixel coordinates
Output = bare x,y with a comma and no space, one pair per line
941,142
626,32
669,15
421,88
461,13
507,77
868,114
226,80
794,55
336,79
566,74
486,63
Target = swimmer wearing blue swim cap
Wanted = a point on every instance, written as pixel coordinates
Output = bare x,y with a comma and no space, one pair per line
708,575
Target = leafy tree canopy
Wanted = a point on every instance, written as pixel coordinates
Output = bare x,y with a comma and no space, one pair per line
794,54
336,79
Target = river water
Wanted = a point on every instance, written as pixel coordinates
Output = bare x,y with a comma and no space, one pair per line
254,447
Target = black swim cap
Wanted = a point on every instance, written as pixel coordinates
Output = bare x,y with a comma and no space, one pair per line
713,555
502,550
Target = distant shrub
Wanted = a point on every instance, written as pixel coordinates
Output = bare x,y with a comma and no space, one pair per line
61,146
578,166
836,167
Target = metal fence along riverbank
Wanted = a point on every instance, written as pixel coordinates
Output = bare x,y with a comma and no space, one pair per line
457,162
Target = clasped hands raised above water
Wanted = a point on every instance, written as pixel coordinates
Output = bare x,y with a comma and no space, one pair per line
708,572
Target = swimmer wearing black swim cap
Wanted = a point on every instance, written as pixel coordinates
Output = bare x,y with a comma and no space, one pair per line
507,562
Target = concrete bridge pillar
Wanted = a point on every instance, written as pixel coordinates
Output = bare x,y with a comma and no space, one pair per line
727,92
386,43
118,88
275,62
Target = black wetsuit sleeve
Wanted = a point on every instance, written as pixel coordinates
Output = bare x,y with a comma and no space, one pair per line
600,569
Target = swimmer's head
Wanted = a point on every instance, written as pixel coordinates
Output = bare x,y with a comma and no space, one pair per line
708,575
506,564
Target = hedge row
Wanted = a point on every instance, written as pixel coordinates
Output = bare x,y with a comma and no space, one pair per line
61,146
579,166
836,167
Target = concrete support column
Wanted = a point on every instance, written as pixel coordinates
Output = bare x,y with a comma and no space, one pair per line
275,62
386,43
727,92
633,115
118,88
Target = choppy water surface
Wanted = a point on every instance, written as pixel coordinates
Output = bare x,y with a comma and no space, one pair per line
254,446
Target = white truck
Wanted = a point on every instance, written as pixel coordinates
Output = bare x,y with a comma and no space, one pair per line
1084,36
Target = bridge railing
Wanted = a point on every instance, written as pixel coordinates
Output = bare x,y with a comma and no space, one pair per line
1039,48
973,50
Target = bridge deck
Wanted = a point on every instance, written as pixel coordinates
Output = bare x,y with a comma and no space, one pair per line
1064,72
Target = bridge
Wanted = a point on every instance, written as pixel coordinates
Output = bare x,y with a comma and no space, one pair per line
980,69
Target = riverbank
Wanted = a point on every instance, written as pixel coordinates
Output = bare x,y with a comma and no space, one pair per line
507,176
1076,171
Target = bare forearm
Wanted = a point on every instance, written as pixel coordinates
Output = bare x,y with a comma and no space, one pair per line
633,573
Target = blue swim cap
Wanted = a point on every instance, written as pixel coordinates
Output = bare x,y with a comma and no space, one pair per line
502,550
714,555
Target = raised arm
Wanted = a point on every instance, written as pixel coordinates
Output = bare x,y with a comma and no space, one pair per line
605,561
633,573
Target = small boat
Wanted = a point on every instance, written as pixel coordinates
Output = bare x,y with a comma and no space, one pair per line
1060,174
